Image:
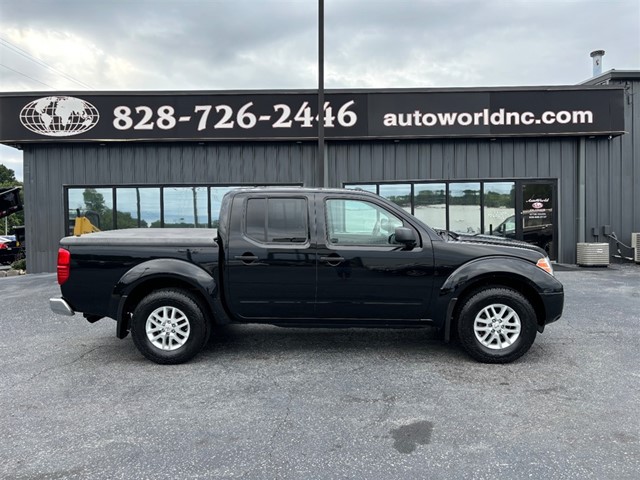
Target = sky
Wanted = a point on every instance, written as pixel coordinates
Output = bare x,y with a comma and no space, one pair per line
84,45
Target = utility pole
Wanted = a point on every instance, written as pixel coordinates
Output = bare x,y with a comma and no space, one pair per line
321,166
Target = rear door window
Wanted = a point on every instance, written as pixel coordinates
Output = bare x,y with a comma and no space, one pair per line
277,220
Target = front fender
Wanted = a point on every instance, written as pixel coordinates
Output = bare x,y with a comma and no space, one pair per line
502,270
484,267
167,269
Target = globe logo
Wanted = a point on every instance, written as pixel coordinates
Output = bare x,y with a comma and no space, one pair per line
59,116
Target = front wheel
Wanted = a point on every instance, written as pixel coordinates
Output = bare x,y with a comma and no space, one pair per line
169,327
497,325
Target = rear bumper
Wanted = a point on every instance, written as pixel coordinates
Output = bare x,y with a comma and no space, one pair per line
60,306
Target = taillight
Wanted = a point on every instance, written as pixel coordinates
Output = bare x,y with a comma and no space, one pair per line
64,265
3,246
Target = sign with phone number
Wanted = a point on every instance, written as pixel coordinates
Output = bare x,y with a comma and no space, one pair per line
177,116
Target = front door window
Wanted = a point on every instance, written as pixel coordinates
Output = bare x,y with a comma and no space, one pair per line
354,222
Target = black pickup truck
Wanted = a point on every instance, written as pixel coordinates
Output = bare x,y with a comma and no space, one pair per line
309,258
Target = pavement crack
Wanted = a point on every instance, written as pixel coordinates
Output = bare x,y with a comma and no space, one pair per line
279,426
54,367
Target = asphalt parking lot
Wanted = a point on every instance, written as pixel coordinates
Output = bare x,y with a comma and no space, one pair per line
266,402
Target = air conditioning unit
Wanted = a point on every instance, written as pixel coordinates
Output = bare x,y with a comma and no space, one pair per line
593,254
635,243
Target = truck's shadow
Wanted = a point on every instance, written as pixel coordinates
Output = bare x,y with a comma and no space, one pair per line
266,341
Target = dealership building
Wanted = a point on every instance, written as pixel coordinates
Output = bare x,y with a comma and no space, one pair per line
555,166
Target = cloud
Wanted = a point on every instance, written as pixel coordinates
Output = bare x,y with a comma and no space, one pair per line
168,45
272,44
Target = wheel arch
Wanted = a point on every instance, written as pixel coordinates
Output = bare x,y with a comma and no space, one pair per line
506,280
154,275
509,272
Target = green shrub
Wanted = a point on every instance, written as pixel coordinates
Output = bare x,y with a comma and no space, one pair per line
19,264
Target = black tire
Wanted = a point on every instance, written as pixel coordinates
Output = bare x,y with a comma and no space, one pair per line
495,312
181,340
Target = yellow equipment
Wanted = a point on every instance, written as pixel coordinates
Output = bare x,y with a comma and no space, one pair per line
83,225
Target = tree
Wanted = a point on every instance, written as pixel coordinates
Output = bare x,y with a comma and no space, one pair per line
8,179
94,201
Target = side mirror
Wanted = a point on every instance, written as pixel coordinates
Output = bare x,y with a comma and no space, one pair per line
405,236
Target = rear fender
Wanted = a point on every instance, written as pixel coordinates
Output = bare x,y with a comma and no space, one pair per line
159,272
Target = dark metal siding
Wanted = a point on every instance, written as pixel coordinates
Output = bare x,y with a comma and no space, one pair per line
553,158
47,168
612,168
613,175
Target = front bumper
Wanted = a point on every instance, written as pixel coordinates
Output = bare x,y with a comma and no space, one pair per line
553,305
60,306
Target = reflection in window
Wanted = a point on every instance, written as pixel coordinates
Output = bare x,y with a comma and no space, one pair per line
430,204
355,222
499,208
400,194
464,207
96,204
185,207
138,207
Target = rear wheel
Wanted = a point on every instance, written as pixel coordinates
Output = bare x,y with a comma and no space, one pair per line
497,325
169,327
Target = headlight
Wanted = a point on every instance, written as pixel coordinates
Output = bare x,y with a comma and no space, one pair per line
545,264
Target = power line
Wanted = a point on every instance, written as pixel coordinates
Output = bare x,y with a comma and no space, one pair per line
25,75
42,63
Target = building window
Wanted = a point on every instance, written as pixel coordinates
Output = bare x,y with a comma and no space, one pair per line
464,207
138,207
187,206
216,195
499,207
430,204
95,204
398,193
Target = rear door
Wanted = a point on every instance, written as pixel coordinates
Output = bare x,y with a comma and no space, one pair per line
270,265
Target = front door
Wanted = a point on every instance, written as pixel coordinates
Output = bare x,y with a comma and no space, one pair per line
362,273
271,267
